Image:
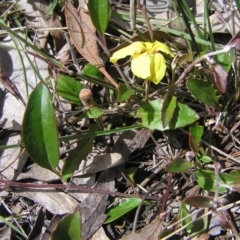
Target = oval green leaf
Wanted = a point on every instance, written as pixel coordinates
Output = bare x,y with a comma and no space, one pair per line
68,88
207,180
39,129
204,92
99,11
205,159
179,165
69,227
122,208
151,114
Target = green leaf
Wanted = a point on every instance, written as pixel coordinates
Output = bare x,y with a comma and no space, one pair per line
92,71
92,113
151,116
75,157
51,7
13,227
130,172
194,226
192,143
168,109
196,131
122,208
204,92
179,165
124,93
99,11
238,5
69,228
184,212
205,159
68,88
39,129
199,201
226,59
206,179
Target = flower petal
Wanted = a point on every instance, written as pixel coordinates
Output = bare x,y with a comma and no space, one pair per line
158,68
136,47
140,65
157,46
148,46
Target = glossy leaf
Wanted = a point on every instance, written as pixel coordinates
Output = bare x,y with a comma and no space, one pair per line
196,131
151,116
179,165
206,179
39,129
199,201
92,71
68,88
204,92
124,93
99,11
168,109
76,156
122,208
68,228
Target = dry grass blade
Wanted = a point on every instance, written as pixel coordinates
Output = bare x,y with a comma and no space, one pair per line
83,38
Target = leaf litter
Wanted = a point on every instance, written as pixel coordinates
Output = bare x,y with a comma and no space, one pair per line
151,151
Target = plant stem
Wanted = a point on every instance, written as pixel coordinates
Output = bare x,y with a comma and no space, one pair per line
4,184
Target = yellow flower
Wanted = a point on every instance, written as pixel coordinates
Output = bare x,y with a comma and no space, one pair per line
147,62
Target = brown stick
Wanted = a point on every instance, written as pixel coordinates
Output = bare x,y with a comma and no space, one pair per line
4,184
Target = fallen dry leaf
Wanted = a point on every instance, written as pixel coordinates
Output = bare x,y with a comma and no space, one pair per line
36,172
94,206
55,202
99,163
35,12
150,232
81,31
203,236
99,235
